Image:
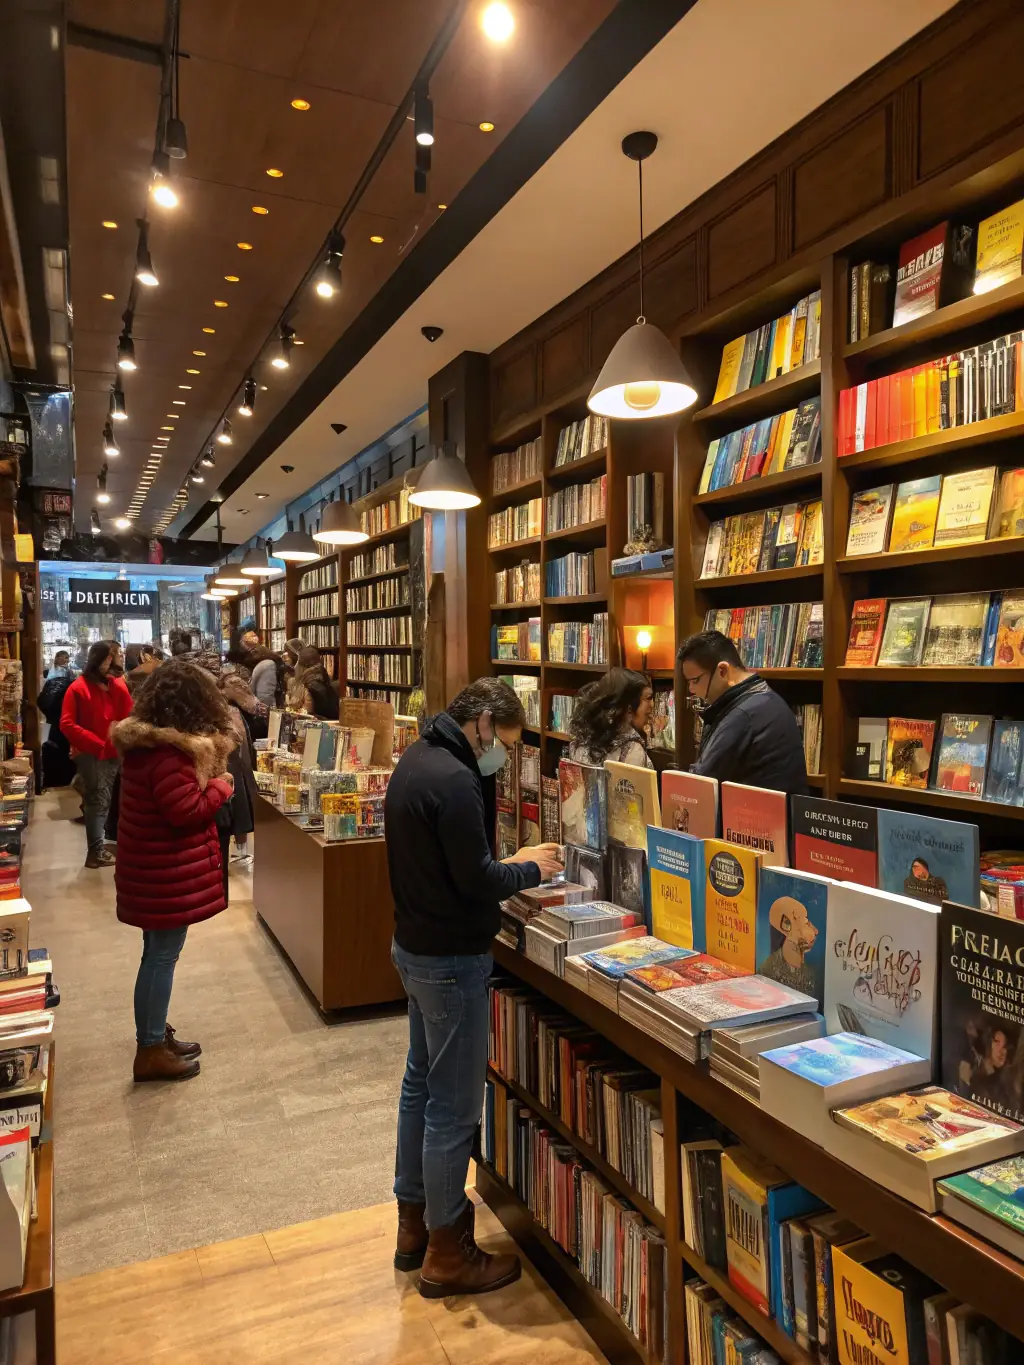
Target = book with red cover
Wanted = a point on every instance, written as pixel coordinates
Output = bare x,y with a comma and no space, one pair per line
871,416
846,433
689,802
835,839
882,436
895,416
755,818
866,622
933,271
905,379
697,970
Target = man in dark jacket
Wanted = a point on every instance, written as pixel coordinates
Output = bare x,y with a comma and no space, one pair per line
750,735
447,887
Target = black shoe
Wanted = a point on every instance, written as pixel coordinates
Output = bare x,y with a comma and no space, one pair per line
104,858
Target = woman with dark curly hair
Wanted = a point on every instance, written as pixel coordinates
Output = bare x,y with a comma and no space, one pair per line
174,752
610,718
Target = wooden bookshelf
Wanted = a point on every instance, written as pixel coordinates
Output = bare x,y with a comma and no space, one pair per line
953,439
937,326
763,489
765,400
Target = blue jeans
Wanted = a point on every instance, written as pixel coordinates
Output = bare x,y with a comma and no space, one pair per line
443,1087
160,949
97,776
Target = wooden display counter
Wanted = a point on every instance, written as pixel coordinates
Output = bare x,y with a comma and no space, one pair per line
329,907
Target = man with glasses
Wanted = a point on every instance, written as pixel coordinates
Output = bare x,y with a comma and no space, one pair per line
749,734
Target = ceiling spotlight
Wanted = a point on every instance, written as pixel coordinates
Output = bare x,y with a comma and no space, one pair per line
94,522
110,446
445,484
285,341
328,280
220,303
486,127
102,496
248,402
208,458
423,119
198,352
161,188
302,105
126,349
197,475
176,139
224,436
108,297
340,526
122,523
118,411
261,496
144,272
497,23
441,207
231,279
256,564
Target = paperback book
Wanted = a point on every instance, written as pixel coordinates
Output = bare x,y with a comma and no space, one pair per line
989,1200
835,839
676,873
866,621
1002,782
908,758
1010,632
870,516
627,868
962,759
878,1297
689,803
965,507
928,859
792,930
915,514
730,902
903,639
955,636
587,867
583,790
755,818
632,803
870,751
1000,238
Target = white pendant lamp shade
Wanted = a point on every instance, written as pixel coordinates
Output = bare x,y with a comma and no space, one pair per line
340,526
230,576
445,485
297,547
642,377
256,564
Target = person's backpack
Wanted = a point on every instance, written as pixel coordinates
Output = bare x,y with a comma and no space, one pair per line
51,698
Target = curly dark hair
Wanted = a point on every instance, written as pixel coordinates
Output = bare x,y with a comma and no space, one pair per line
181,696
602,709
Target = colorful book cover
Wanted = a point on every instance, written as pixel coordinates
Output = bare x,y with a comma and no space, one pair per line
746,1180
869,521
838,1058
1000,239
730,902
619,958
1010,632
908,758
627,880
865,632
670,976
632,803
676,873
689,803
881,972
791,930
963,754
915,514
583,790
1011,504
869,1311
928,859
743,999
965,507
1003,781
755,818
906,622
728,374
957,629
835,839
982,1019
928,1123
996,1188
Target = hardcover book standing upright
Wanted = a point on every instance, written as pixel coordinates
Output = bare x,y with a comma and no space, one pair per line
835,839
792,929
935,268
928,859
963,754
905,626
730,902
878,1296
689,803
1003,781
755,818
632,803
869,521
584,795
676,864
909,752
915,514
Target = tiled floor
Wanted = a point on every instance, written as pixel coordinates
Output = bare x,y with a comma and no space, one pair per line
291,1118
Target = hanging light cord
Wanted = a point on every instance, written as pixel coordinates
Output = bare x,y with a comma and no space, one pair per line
640,173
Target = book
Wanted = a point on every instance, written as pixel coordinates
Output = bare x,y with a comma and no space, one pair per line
1002,782
730,902
689,803
1000,241
878,1302
915,514
583,790
614,962
965,507
805,441
865,641
956,631
935,268
835,839
676,874
906,622
869,752
14,918
586,867
981,1036
828,1230
755,818
739,1000
1010,519
962,757
803,1082
627,869
632,803
728,374
16,1195
791,930
909,1139
870,515
881,972
689,969
928,859
1009,652
988,1200
908,755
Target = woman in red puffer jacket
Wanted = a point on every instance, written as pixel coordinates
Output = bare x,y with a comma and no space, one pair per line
174,751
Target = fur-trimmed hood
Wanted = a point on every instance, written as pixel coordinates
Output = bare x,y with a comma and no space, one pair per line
208,752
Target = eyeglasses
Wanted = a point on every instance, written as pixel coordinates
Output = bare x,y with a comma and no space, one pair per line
692,682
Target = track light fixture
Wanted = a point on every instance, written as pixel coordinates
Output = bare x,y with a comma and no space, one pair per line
176,139
423,118
419,176
94,523
125,344
208,459
285,341
248,402
328,279
224,436
123,523
110,446
160,187
144,272
118,412
197,475
102,496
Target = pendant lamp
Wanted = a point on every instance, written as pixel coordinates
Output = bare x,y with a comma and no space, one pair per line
340,525
643,375
256,563
297,547
229,576
445,485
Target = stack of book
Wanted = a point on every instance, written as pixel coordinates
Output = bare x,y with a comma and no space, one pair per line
522,908
513,524
790,441
937,511
580,439
734,1052
771,350
577,929
599,973
786,635
756,542
516,466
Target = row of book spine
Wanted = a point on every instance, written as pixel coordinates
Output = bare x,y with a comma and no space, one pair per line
526,686
785,635
382,668
276,593
511,467
572,575
581,439
579,642
577,504
956,630
273,616
756,542
562,707
516,640
521,583
323,635
791,440
383,559
775,348
388,593
323,576
382,631
521,522
399,700
386,516
322,604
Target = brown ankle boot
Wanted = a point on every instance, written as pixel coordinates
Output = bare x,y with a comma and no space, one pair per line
454,1264
411,1246
159,1063
180,1049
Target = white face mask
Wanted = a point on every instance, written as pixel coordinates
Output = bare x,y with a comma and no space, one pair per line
494,758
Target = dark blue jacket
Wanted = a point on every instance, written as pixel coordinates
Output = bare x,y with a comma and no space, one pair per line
750,735
445,881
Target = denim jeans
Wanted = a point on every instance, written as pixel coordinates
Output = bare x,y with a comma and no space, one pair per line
443,1087
160,949
97,776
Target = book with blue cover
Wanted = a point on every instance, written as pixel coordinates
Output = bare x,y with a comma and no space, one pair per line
676,875
1002,782
583,791
928,859
838,1058
620,958
791,929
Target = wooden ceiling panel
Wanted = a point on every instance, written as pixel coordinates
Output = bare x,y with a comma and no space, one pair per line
371,49
139,19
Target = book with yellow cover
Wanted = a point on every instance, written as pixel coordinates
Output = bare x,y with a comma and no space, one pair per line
965,507
730,902
782,440
780,349
1000,243
919,383
1010,633
1011,504
632,803
709,466
915,514
879,1305
796,346
732,355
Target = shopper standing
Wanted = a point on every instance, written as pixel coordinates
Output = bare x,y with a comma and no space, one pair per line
311,689
610,718
94,702
447,887
174,751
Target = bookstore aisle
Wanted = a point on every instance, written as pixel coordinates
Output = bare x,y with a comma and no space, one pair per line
290,1119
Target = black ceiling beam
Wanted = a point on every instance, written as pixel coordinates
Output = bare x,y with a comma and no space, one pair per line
116,45
629,33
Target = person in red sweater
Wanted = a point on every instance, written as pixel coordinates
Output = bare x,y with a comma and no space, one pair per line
174,750
93,702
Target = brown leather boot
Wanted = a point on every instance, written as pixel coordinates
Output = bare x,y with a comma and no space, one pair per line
411,1245
180,1049
454,1264
159,1063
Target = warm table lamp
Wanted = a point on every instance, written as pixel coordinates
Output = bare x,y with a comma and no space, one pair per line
644,638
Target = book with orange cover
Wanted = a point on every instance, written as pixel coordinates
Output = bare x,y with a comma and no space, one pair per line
895,416
870,416
915,514
865,640
882,436
919,379
932,414
909,752
906,387
1010,632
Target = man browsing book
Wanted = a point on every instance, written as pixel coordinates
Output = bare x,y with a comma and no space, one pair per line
447,887
749,734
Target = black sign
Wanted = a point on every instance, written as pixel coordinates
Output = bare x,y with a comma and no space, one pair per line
113,596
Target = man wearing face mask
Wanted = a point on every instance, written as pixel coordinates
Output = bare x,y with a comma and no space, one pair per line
447,885
749,734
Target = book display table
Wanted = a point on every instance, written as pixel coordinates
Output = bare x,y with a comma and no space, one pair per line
329,907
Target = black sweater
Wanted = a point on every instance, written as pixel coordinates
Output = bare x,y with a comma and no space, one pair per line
445,881
750,735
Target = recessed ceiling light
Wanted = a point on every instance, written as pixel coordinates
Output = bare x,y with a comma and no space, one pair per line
242,511
376,239
184,386
442,207
175,415
274,173
258,208
106,296
210,330
231,279
487,127
303,105
180,401
220,303
107,223
497,23
263,495
166,428
297,342
245,246
192,371
263,388
198,352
